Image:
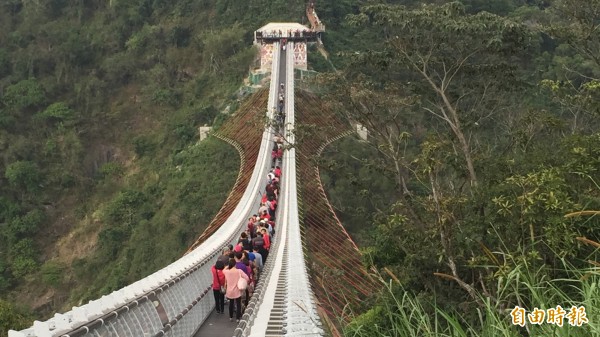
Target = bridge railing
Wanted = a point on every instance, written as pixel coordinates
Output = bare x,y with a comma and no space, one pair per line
300,317
177,299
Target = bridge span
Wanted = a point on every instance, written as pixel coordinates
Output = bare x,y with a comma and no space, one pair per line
177,300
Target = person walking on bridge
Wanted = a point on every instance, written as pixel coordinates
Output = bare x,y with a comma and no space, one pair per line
258,259
234,294
250,227
224,258
277,172
218,282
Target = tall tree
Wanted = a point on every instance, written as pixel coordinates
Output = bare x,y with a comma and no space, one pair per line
461,66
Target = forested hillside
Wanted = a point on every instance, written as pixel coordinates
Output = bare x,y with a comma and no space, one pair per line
102,180
483,150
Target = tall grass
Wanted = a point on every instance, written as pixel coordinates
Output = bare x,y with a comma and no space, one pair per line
403,314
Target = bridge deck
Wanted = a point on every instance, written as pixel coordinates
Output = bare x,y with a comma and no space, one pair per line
217,325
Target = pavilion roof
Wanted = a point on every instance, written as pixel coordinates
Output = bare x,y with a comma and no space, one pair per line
283,26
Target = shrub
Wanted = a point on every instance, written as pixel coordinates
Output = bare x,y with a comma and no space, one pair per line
23,265
166,97
52,273
144,145
11,318
124,206
23,174
111,170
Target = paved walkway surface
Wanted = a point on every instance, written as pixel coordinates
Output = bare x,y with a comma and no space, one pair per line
217,325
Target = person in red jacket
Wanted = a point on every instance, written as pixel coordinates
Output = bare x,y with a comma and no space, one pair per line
218,282
265,216
266,238
251,230
277,171
270,191
272,205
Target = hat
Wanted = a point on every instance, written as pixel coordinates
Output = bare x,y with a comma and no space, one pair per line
263,221
238,248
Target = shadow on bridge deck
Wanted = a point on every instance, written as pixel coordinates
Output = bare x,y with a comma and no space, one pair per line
217,325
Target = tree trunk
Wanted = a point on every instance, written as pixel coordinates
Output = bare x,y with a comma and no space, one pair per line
454,123
464,145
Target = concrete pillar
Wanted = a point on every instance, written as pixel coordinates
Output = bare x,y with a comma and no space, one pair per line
362,131
204,130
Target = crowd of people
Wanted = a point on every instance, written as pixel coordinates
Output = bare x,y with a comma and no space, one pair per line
288,34
238,269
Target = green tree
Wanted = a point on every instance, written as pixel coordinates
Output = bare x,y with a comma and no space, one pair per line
577,23
8,209
57,113
24,94
23,174
27,225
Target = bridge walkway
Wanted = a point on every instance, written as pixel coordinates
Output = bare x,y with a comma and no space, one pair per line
218,325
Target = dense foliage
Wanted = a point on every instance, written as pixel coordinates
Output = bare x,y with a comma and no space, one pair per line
483,137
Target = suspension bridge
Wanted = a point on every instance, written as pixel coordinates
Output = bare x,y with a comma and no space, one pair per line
313,273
